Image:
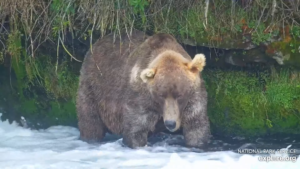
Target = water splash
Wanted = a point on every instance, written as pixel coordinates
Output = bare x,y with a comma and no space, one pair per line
58,147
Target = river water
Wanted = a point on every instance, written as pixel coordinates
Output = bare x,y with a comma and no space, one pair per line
58,147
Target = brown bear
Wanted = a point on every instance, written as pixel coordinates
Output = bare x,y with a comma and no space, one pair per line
129,83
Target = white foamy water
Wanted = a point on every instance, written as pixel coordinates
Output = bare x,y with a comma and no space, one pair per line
58,147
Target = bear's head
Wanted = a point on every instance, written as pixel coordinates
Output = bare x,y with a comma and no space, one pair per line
172,80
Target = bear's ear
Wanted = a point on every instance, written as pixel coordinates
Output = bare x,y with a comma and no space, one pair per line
147,74
198,63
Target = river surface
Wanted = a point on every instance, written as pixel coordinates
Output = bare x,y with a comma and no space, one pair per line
58,147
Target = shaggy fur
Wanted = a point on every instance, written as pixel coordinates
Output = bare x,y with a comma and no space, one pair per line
127,89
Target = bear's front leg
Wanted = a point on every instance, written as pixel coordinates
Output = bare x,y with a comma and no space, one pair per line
136,128
196,134
196,127
136,139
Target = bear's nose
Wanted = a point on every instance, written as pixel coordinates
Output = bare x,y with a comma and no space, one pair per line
170,124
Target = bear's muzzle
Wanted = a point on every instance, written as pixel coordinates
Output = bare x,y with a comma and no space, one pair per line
171,114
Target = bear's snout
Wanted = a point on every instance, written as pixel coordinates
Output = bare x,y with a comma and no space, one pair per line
171,114
170,125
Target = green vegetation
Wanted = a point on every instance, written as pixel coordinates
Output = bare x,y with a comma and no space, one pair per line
38,24
247,104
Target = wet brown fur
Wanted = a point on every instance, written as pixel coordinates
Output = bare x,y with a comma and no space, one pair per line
112,97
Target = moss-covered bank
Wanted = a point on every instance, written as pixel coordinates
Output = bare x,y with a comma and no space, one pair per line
38,106
243,103
254,104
